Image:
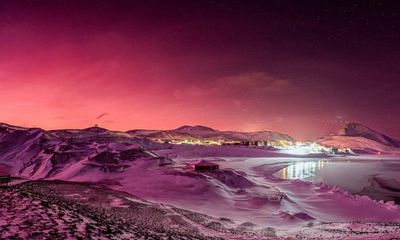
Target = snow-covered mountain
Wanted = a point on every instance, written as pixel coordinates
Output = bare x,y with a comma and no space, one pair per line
36,153
125,162
361,139
206,133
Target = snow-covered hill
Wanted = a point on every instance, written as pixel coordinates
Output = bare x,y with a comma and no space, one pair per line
361,139
129,163
35,153
206,133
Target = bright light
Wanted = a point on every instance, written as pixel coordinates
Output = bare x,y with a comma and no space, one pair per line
304,148
302,170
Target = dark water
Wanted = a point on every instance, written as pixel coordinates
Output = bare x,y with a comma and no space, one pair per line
379,179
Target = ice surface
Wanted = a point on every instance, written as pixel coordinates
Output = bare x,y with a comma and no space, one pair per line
377,178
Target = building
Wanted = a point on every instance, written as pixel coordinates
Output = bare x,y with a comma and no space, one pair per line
204,165
231,143
255,143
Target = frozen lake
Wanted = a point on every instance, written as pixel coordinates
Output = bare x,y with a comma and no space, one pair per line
379,179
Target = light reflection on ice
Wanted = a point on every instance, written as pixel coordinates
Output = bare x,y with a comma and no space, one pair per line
302,170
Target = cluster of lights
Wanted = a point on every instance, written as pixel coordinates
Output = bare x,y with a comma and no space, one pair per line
297,148
281,143
196,142
304,148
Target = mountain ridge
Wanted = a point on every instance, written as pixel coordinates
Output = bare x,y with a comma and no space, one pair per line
199,132
362,139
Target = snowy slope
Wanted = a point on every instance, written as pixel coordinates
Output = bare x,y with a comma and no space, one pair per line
361,139
358,144
36,153
358,130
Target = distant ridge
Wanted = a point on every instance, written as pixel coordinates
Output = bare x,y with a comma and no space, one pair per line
199,132
188,128
95,129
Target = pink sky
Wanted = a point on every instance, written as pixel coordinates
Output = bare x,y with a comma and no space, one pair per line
72,65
